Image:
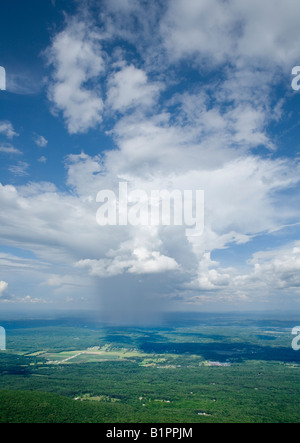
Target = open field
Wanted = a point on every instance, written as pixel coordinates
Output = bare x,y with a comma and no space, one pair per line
206,371
97,354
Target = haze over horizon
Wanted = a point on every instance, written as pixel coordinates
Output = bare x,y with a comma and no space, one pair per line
164,94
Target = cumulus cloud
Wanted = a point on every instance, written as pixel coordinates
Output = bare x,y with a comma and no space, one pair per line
275,270
172,134
129,88
6,129
40,141
239,32
42,159
268,276
138,261
3,288
203,27
77,60
61,228
210,276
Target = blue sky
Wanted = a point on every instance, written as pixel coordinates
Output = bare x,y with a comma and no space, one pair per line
174,94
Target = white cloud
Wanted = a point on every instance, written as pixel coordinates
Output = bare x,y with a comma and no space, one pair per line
84,174
42,159
210,276
40,141
203,27
275,270
133,21
268,275
3,288
20,169
77,59
61,229
140,262
270,32
8,149
129,88
30,299
202,137
6,129
240,32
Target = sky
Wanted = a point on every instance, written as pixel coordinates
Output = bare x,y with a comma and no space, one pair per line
160,94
